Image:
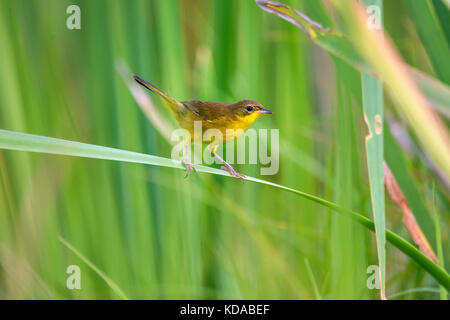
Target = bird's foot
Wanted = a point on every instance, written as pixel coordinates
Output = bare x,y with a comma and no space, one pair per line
233,172
189,167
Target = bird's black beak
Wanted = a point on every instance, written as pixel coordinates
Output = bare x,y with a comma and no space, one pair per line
264,110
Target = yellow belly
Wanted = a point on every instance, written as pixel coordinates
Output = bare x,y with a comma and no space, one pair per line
228,130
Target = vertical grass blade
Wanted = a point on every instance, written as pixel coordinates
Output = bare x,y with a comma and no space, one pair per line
313,280
440,252
372,93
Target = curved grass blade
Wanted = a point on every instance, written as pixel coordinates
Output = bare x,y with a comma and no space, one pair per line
33,143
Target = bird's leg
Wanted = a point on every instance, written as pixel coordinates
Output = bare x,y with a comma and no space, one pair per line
186,161
228,168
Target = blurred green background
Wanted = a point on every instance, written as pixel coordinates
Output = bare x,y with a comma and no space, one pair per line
158,235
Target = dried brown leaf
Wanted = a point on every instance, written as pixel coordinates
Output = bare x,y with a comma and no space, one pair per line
409,220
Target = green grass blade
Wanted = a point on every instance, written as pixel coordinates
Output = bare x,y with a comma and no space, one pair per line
431,35
345,282
33,143
114,287
440,252
373,111
398,163
313,280
372,93
443,14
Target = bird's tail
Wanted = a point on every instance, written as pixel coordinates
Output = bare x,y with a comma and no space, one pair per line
171,101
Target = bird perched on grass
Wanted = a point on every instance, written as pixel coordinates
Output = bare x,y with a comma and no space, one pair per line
213,115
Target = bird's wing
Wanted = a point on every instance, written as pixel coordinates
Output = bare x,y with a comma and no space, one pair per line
207,111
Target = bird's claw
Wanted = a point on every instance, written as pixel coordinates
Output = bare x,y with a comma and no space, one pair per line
189,168
233,173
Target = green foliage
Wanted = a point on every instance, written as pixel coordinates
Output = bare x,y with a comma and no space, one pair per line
145,231
372,94
10,140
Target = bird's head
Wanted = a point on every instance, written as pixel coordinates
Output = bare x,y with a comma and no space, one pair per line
248,111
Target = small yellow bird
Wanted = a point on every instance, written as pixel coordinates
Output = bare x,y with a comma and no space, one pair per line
213,115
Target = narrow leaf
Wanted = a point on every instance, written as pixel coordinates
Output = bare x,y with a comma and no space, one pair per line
372,93
114,287
409,220
27,142
440,252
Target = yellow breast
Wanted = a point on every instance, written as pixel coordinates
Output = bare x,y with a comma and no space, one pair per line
229,129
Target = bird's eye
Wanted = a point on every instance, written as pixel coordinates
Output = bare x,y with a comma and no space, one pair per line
249,108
